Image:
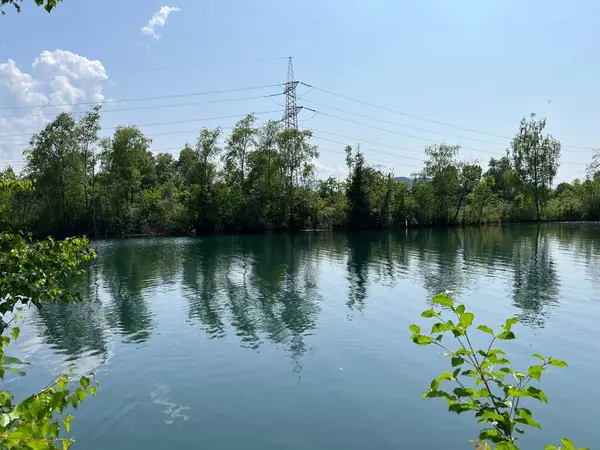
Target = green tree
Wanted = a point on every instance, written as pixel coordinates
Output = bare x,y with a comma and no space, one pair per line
36,273
469,176
295,155
359,204
127,166
87,131
206,206
239,143
442,169
54,161
536,159
481,196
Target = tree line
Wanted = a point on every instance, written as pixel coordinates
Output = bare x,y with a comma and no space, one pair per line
262,179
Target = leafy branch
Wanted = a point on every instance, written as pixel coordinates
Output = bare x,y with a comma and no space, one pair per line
487,386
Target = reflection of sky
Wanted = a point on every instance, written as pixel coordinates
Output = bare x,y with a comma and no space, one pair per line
190,332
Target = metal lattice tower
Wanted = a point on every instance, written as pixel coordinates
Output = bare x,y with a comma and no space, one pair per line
290,115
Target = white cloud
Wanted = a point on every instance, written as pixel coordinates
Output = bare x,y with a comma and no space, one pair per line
72,65
57,77
158,20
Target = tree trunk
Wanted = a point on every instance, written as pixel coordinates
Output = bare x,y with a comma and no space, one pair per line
460,200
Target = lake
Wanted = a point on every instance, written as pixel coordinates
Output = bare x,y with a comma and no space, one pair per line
301,341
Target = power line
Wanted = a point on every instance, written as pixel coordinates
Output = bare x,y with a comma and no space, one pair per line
396,155
176,105
417,137
403,125
370,159
142,99
424,119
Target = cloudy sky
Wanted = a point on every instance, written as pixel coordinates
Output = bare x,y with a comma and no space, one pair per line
461,72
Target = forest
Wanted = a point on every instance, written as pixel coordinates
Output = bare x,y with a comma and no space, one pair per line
262,178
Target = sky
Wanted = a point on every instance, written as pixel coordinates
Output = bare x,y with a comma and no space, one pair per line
460,72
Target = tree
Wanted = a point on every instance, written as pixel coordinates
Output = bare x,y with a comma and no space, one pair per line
87,136
48,5
481,196
536,159
36,273
442,169
469,175
359,205
239,143
500,169
206,207
296,154
127,165
54,161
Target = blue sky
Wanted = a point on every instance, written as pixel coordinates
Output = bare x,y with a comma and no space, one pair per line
472,64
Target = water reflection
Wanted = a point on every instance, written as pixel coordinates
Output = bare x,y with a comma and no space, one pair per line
536,284
267,288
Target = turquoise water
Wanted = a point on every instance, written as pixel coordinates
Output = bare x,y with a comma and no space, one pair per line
301,342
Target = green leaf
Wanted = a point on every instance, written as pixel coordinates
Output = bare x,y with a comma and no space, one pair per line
535,372
439,328
568,445
457,361
537,394
490,435
485,329
557,363
538,356
12,360
15,333
466,319
463,392
459,408
422,340
507,335
17,371
415,329
460,309
428,313
443,300
511,321
84,381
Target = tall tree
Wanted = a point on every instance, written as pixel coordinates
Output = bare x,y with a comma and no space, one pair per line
296,155
359,206
54,161
442,169
125,162
88,128
239,143
536,159
469,175
205,201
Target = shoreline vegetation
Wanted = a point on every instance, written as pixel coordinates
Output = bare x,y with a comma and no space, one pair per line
261,178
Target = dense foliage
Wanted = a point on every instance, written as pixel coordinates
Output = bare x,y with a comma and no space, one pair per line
261,178
487,385
34,273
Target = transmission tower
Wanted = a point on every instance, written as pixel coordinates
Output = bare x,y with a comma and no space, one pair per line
290,115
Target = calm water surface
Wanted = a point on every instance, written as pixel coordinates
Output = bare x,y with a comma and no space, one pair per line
301,342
